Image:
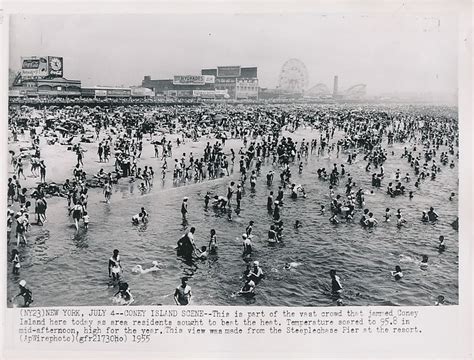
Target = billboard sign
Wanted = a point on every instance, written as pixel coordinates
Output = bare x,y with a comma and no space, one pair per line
184,93
225,81
101,93
228,71
55,66
246,88
209,79
188,80
221,92
33,67
141,91
119,92
210,94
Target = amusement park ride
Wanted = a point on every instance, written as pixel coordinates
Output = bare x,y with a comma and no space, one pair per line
294,80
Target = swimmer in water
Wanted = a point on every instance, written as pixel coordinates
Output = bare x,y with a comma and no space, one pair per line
184,207
371,221
248,229
114,266
86,218
410,195
247,245
297,224
424,217
125,294
440,300
333,219
424,262
322,209
144,215
15,260
138,268
202,253
397,274
387,215
182,294
213,243
451,197
400,220
136,219
256,274
441,246
432,215
26,293
291,265
248,288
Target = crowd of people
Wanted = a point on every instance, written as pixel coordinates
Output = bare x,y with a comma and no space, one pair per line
363,134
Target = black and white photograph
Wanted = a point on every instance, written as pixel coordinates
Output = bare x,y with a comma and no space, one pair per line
271,159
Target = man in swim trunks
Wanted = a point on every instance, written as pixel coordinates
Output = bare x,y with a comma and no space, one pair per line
114,266
182,294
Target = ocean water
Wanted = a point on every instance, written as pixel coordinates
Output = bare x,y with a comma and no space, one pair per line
65,268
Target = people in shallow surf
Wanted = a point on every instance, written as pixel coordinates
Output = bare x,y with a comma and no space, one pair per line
182,294
397,274
186,245
114,266
440,300
142,216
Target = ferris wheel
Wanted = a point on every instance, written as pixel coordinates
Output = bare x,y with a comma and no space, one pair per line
293,76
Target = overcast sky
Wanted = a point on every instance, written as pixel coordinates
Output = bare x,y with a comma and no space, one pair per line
388,53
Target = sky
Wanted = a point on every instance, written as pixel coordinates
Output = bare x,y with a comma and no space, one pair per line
404,54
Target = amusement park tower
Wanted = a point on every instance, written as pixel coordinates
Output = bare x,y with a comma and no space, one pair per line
334,91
